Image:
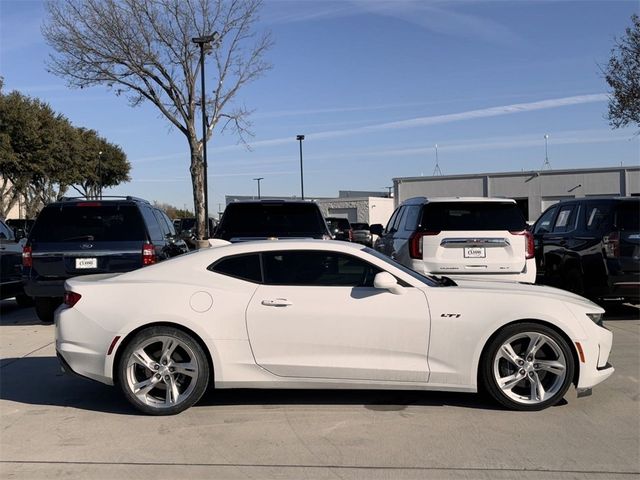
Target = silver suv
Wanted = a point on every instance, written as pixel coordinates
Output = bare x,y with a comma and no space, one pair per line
484,238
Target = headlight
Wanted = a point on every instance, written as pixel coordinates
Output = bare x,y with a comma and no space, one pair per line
595,317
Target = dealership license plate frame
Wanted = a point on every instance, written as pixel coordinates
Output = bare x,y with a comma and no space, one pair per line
475,252
86,263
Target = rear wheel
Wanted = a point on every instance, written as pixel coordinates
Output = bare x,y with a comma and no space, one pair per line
24,300
163,371
527,367
45,307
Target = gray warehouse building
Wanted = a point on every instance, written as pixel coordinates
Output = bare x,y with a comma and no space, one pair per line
534,191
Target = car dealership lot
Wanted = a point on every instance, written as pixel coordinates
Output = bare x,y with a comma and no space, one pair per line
53,425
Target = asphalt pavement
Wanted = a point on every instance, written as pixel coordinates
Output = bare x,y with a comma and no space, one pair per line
55,426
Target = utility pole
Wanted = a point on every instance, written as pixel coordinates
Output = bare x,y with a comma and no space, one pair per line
300,138
258,180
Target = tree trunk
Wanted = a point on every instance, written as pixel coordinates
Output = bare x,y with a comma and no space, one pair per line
197,183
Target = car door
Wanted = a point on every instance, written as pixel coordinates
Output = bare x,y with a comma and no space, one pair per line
10,257
542,227
557,243
317,315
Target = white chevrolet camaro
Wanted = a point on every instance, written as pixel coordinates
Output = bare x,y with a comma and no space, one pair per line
324,314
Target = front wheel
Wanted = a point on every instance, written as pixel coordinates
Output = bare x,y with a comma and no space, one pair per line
527,367
163,371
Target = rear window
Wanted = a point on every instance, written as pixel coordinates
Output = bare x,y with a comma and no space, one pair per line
271,220
628,216
244,267
441,216
339,223
103,223
360,226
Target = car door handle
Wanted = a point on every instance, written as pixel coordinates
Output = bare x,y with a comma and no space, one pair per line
278,302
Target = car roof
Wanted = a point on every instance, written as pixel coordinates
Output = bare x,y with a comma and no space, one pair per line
105,200
423,200
278,201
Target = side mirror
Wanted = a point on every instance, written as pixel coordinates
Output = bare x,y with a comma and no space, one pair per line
386,281
376,229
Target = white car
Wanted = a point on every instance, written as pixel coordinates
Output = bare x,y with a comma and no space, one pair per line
461,237
323,314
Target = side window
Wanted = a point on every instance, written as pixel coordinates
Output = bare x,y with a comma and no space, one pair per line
597,217
566,221
161,222
411,217
152,224
543,225
396,222
5,232
244,267
317,268
391,221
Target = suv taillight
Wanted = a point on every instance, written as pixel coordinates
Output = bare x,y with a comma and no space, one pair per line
529,245
148,254
351,235
415,243
612,245
27,260
71,298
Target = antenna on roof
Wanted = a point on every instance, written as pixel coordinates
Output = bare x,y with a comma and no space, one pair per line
436,170
546,165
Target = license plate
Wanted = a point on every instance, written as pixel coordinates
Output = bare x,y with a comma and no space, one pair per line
474,252
86,263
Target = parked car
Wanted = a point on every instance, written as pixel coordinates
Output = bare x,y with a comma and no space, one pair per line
186,230
340,228
361,234
591,246
271,219
324,314
11,266
21,226
484,238
78,237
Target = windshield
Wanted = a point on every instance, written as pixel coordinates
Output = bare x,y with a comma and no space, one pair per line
427,280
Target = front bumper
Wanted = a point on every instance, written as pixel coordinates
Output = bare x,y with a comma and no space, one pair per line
596,367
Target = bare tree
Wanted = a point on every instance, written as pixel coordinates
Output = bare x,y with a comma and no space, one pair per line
143,48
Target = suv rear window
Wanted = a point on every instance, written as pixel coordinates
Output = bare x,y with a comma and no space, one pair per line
628,216
271,220
439,216
338,223
102,223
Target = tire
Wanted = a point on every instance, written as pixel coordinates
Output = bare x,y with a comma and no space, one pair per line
45,307
521,379
150,363
24,300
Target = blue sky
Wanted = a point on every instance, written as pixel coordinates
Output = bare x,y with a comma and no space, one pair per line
373,85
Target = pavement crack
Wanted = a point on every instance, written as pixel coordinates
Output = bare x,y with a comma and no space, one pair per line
6,364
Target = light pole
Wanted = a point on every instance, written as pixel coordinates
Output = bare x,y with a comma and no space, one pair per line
258,180
300,138
389,188
202,41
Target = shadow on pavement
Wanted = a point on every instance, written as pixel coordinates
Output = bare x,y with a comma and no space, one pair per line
39,381
619,311
12,314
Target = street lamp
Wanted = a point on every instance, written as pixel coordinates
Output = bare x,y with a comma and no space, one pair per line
258,180
300,138
202,41
547,164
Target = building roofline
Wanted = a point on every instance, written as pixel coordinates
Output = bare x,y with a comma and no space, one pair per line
515,174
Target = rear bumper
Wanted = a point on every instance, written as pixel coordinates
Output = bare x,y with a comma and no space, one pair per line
624,287
528,275
11,289
44,288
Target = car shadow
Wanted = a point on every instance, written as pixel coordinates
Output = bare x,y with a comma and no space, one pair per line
12,314
621,311
39,381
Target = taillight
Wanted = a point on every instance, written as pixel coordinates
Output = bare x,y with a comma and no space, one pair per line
351,235
612,245
71,298
415,243
148,254
529,246
27,260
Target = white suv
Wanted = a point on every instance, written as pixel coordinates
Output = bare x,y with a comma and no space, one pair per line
483,238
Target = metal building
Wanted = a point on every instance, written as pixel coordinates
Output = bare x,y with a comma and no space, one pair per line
534,191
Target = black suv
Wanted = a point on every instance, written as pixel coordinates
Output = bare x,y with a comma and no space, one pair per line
340,228
79,237
271,219
591,247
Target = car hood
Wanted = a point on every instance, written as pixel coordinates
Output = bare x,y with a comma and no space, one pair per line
529,289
